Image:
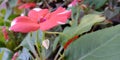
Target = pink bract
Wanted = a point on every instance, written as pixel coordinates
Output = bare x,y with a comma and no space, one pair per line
40,19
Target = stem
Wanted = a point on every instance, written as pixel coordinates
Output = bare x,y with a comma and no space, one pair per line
61,56
17,48
38,49
53,32
37,44
61,48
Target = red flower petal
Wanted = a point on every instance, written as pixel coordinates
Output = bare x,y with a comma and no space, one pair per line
59,10
55,18
37,14
48,25
27,5
23,24
22,19
66,13
24,27
52,22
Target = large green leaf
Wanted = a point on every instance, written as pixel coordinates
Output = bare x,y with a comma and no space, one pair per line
100,45
29,43
85,25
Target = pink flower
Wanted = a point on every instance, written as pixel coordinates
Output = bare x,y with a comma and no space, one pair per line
5,33
40,19
27,5
74,3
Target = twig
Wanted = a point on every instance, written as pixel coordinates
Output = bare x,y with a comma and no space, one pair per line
61,48
46,3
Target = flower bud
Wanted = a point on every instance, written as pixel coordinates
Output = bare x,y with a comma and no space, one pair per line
5,33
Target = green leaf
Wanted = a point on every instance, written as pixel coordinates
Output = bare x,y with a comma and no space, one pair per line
12,16
8,13
2,12
2,40
96,3
55,43
1,21
101,45
5,54
12,3
1,55
24,55
75,15
25,44
85,25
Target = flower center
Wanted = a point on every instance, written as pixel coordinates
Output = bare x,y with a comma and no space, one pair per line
41,20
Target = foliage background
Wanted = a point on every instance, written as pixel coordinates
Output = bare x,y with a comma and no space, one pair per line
94,22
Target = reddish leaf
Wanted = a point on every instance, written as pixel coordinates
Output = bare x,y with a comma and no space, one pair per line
70,41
